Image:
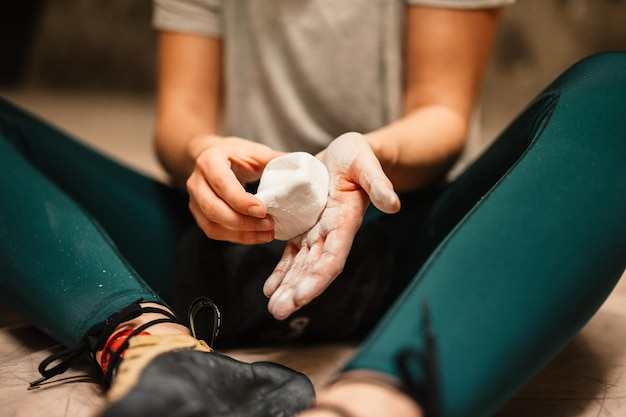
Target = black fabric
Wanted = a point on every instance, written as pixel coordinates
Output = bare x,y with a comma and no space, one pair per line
206,384
233,275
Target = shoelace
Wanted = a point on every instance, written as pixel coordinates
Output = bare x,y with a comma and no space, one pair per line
98,335
116,356
427,395
95,340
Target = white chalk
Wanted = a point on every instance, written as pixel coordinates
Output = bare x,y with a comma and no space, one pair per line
294,188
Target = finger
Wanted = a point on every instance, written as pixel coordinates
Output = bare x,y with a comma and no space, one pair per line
295,266
227,187
282,302
382,195
217,231
306,285
280,271
310,274
326,265
378,187
313,270
216,210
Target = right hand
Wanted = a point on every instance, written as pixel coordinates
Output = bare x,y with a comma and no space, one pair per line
217,198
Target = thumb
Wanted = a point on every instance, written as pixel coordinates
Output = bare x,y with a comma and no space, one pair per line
378,187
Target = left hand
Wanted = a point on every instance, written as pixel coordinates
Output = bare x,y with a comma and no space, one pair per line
314,259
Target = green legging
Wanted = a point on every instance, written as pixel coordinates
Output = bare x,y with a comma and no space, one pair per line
77,230
536,255
527,243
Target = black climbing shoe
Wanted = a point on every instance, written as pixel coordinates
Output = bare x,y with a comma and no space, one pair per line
192,380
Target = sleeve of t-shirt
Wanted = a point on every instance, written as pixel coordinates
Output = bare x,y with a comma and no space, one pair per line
461,4
202,17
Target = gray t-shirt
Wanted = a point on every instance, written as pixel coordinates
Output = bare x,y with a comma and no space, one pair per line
299,73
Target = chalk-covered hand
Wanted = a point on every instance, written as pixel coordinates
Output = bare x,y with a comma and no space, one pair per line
311,261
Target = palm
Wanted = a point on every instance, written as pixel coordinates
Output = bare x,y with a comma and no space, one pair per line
313,260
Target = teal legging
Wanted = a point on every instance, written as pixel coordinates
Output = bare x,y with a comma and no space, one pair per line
59,268
526,267
527,243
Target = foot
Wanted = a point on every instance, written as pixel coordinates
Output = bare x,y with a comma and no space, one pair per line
359,397
174,374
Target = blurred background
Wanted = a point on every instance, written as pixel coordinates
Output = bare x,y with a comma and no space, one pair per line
89,65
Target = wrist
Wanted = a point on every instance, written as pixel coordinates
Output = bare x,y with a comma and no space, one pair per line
199,143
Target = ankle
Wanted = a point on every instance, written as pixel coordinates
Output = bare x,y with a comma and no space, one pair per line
363,398
125,328
160,328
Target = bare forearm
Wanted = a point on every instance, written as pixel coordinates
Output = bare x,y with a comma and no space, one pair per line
446,58
420,147
178,134
188,100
